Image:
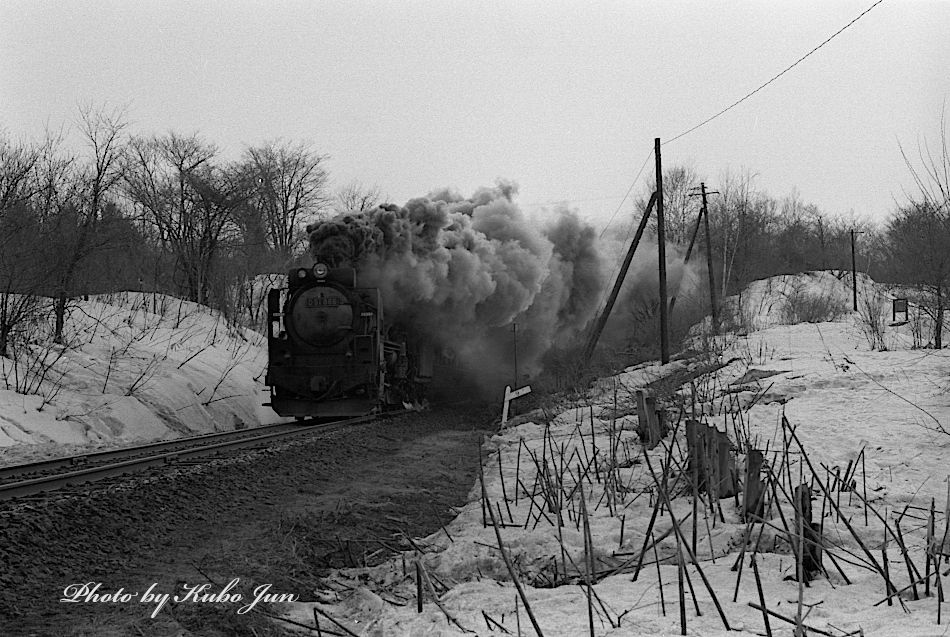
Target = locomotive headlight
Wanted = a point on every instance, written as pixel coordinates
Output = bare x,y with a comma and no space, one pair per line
301,273
320,270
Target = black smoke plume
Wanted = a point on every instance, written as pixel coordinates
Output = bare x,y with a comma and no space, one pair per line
466,270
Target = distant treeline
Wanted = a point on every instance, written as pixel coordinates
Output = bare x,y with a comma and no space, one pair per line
167,213
162,213
755,235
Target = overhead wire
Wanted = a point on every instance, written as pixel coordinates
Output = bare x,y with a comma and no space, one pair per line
741,100
627,194
774,77
722,112
603,299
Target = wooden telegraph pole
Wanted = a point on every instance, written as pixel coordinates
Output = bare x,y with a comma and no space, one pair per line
709,264
661,250
854,275
704,218
514,333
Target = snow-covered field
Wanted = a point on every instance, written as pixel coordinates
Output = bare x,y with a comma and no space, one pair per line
841,397
134,367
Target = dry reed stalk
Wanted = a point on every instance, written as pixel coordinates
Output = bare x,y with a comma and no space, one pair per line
789,620
659,576
316,623
588,566
692,592
647,534
911,567
504,491
593,444
418,587
435,598
939,593
508,565
737,566
490,621
638,557
518,470
843,518
930,537
682,592
335,622
864,483
712,551
946,518
517,616
758,587
800,560
682,539
481,478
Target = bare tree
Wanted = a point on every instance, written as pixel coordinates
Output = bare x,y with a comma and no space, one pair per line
188,200
17,179
355,197
80,229
20,276
291,190
740,218
919,239
932,177
680,210
919,233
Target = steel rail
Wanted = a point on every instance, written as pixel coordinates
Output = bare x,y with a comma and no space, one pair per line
125,452
56,481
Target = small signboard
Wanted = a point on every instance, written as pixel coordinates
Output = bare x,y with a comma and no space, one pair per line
899,311
509,396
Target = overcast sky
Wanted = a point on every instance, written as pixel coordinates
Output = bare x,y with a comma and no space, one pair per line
564,98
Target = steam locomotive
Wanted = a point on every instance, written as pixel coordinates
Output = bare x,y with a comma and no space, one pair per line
332,353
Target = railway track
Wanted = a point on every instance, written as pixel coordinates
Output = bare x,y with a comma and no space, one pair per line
22,480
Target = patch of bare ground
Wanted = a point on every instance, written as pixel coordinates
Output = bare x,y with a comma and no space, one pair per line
282,517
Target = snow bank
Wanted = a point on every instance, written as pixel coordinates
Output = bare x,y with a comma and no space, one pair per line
134,367
842,396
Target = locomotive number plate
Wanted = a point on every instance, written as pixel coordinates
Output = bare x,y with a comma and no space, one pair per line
324,301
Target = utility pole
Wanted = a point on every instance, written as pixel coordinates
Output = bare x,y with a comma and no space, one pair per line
854,275
854,271
514,333
689,252
709,265
661,250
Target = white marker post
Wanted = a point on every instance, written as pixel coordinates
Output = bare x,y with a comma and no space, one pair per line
509,396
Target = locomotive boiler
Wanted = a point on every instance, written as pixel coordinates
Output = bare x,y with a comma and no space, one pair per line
332,353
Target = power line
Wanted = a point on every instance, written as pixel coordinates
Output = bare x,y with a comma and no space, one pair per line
775,77
554,202
616,270
627,194
722,112
736,103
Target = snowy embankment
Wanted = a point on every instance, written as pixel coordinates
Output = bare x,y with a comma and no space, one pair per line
880,419
134,367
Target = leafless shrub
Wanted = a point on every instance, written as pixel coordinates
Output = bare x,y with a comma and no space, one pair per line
145,374
916,324
34,369
805,306
872,320
758,353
